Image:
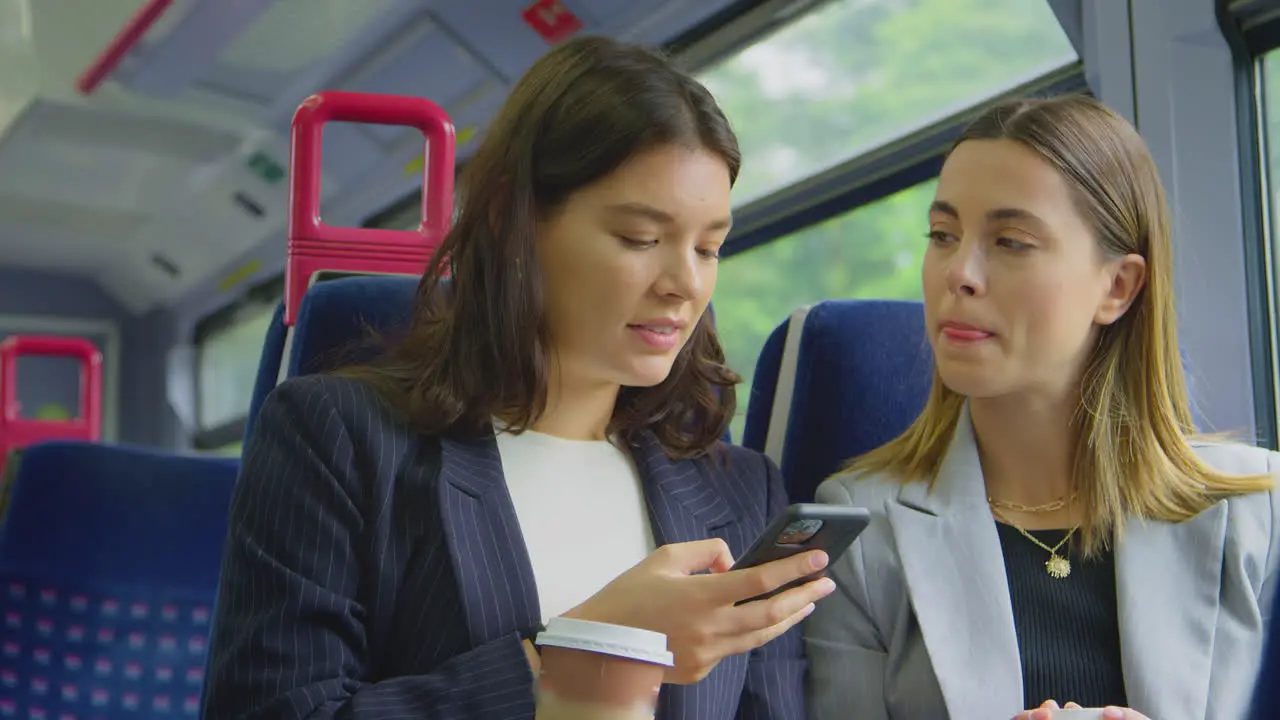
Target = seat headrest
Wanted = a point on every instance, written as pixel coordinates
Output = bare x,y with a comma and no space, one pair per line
855,375
107,514
764,384
336,315
273,349
8,471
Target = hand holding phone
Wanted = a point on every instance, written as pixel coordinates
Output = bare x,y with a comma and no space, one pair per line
686,592
803,527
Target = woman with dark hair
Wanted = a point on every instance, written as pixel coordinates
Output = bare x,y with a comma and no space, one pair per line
543,442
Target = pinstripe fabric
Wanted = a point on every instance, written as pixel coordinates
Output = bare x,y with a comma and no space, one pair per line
374,573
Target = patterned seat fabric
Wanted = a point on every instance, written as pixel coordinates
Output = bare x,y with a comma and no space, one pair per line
67,654
109,561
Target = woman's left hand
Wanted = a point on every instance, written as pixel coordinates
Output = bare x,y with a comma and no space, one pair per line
1045,712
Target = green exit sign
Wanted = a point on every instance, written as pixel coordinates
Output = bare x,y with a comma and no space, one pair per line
264,167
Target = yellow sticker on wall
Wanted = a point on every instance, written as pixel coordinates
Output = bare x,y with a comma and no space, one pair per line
239,275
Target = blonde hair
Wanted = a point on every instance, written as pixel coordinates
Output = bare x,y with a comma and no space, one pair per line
1132,454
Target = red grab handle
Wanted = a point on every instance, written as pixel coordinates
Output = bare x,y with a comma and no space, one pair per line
53,346
306,161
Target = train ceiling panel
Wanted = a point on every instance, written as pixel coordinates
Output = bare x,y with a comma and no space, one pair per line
167,167
507,43
78,232
294,45
169,65
94,176
127,132
424,61
293,35
108,159
19,71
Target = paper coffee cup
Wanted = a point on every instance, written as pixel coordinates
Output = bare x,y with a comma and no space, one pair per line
616,640
598,671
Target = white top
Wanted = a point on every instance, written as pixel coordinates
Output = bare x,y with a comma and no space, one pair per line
581,510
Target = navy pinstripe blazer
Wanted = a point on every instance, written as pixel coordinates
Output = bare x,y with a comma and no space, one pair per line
371,572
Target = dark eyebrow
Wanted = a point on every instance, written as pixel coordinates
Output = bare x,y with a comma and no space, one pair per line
946,208
649,212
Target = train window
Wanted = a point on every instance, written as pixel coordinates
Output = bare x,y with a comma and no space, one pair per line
229,346
1269,111
874,251
854,75
229,450
227,366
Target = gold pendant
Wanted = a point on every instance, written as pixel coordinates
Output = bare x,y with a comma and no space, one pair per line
1058,567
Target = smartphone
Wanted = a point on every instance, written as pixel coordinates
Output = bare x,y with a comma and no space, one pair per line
803,527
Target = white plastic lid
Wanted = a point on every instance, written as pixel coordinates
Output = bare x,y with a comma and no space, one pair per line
604,638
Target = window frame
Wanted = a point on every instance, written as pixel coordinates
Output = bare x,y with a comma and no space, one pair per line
1250,37
1253,25
859,180
874,175
266,294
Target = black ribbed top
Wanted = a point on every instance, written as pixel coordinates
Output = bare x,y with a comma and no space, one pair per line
1068,633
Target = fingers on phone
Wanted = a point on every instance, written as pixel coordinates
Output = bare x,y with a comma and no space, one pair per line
781,608
696,556
766,578
763,636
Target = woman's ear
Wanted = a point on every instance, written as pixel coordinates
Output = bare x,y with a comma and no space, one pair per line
1126,277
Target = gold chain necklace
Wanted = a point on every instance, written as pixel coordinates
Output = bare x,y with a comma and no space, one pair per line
1057,566
1019,507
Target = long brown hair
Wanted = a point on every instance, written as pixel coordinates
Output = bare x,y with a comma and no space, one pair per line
480,349
1132,427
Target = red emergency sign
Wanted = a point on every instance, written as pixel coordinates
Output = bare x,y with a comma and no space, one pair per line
551,20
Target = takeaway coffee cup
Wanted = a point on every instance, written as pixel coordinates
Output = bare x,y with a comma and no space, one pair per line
597,671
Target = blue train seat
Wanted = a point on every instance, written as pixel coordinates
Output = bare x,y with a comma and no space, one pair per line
109,564
274,346
336,317
381,303
764,386
8,471
855,376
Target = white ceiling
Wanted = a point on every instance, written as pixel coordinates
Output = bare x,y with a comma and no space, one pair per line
142,173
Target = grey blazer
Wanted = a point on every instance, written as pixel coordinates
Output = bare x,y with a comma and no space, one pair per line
922,625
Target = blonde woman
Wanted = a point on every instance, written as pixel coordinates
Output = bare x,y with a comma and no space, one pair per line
1047,531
